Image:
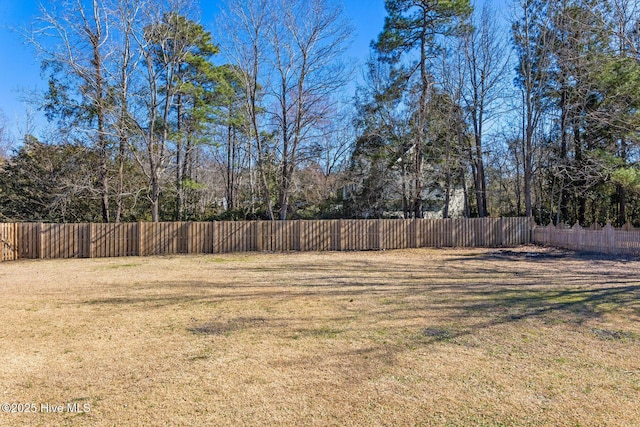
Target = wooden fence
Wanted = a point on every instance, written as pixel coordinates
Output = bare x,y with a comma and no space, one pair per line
40,240
607,240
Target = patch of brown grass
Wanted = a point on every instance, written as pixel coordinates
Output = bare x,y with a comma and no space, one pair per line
416,337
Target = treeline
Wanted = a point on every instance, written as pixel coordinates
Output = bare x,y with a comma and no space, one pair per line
153,117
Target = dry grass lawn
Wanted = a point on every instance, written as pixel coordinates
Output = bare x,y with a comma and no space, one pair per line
517,337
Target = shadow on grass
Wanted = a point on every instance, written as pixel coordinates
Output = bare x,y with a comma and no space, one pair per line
544,255
472,291
575,306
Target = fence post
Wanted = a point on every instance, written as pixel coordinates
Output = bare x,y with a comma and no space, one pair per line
190,235
532,232
258,235
141,242
214,236
91,240
530,229
2,241
550,235
578,236
452,234
39,232
609,238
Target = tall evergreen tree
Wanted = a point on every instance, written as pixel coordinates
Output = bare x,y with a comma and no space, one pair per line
414,26
179,78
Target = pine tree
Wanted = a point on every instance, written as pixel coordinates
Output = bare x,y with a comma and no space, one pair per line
415,25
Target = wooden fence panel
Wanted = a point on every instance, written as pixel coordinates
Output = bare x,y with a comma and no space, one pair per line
442,233
40,240
8,242
627,241
290,235
395,233
165,238
129,233
518,230
100,238
495,232
27,241
49,241
234,236
447,233
361,234
319,235
482,232
111,240
491,232
457,232
350,228
428,233
62,241
510,232
200,239
281,236
606,240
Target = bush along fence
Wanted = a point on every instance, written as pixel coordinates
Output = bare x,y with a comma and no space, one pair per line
42,240
606,240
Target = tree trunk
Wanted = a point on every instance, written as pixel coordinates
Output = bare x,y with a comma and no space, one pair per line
528,174
119,195
447,190
481,190
230,160
95,38
155,198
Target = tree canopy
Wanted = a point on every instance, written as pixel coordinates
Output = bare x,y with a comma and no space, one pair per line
154,116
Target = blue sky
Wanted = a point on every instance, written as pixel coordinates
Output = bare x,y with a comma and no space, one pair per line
20,70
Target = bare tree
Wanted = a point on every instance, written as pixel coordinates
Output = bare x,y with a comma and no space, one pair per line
335,143
124,14
77,61
453,76
324,162
154,100
242,37
533,41
290,54
487,61
382,153
5,138
308,39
